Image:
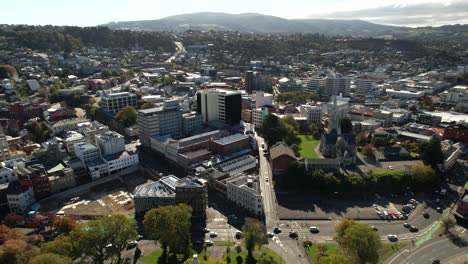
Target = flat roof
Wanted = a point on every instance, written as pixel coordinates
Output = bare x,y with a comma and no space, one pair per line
231,139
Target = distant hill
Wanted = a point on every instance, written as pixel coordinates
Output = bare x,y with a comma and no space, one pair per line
257,23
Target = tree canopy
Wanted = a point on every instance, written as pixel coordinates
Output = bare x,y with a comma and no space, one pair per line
359,241
431,152
128,115
254,235
170,225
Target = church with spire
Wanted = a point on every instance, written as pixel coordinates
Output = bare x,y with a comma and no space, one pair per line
335,144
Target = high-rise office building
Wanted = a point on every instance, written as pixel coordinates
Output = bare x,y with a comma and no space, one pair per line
364,86
113,102
316,85
337,85
220,105
254,81
160,121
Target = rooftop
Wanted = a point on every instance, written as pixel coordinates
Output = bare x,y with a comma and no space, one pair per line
231,139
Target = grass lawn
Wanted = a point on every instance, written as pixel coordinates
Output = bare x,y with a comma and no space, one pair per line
384,253
384,172
313,252
257,253
388,251
308,145
155,257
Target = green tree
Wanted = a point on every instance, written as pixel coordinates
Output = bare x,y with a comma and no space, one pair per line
334,259
128,115
267,259
296,149
363,243
254,235
147,105
431,152
170,225
22,90
61,245
106,73
322,249
27,255
447,222
346,125
39,131
121,230
341,229
91,239
423,176
49,258
289,119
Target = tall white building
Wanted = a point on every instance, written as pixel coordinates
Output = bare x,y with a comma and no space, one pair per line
245,191
19,197
315,85
4,148
110,142
160,121
258,116
313,113
364,86
7,175
191,122
219,105
87,152
114,102
336,85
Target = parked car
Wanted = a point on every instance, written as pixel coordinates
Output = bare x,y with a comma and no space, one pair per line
206,230
374,228
292,234
406,225
209,242
314,229
439,210
413,229
132,244
426,215
392,237
238,234
277,230
213,234
270,234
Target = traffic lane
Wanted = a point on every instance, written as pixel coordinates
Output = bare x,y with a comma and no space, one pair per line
437,248
441,250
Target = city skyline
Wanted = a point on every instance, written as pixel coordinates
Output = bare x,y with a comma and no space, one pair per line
92,13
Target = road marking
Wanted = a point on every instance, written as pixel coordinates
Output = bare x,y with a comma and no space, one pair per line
397,256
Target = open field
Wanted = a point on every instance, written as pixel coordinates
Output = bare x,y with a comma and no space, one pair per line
308,145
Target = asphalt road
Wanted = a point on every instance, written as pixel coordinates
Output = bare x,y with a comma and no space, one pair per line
447,249
290,250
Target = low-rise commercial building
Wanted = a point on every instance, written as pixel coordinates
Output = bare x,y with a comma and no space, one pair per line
245,191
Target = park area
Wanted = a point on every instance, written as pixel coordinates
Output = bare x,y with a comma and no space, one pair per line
217,251
307,147
321,250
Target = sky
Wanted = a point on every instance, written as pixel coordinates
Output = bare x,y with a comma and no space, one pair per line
95,12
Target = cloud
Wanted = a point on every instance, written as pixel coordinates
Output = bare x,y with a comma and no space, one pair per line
411,15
